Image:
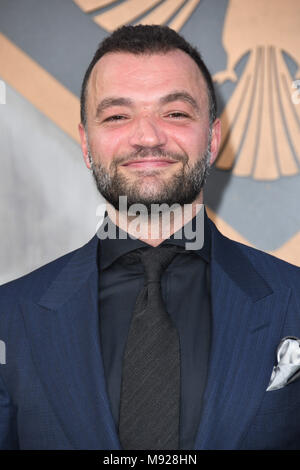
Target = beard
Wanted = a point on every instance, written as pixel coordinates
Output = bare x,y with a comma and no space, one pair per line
181,188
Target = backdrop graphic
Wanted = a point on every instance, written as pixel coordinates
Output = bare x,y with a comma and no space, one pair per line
48,198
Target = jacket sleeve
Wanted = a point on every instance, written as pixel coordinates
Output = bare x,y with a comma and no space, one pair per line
8,421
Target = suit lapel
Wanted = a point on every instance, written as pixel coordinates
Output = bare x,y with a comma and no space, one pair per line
64,325
247,320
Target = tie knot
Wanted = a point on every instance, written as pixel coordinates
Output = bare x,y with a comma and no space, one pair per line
156,259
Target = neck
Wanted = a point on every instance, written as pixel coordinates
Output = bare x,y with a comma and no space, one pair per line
157,226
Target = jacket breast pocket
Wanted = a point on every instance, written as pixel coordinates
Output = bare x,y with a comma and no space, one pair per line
276,425
282,399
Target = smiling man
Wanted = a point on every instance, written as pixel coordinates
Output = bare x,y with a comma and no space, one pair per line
147,126
137,342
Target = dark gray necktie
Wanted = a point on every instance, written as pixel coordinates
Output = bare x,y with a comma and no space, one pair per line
150,392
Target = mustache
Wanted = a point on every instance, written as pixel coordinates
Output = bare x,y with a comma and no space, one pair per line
147,152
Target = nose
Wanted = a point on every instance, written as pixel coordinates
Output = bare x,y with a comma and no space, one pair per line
147,132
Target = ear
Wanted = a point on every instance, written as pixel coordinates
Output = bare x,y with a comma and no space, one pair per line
215,140
84,145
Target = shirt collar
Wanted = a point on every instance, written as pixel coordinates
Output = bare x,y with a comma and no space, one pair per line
112,248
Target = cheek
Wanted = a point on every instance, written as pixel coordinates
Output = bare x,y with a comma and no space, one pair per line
105,146
192,141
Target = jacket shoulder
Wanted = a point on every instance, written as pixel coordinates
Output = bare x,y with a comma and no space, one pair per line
269,266
32,284
237,256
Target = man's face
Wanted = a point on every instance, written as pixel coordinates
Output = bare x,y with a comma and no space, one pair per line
148,130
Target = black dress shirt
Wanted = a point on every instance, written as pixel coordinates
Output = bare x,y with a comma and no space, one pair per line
185,291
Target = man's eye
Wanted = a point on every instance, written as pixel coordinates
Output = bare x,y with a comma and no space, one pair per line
116,117
177,115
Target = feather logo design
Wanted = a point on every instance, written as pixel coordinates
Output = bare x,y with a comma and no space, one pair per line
261,124
174,13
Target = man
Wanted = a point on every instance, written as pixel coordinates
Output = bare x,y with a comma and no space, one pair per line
106,348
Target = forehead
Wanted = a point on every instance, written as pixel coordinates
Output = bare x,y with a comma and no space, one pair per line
146,77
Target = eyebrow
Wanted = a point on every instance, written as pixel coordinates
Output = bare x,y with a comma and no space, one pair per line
180,96
120,101
110,102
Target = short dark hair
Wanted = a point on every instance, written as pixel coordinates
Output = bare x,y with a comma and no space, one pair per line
142,39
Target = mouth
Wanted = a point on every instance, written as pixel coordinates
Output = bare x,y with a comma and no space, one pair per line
150,163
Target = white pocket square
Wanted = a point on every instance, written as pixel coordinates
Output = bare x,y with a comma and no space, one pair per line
288,368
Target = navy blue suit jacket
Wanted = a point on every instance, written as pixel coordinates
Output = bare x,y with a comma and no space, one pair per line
52,387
